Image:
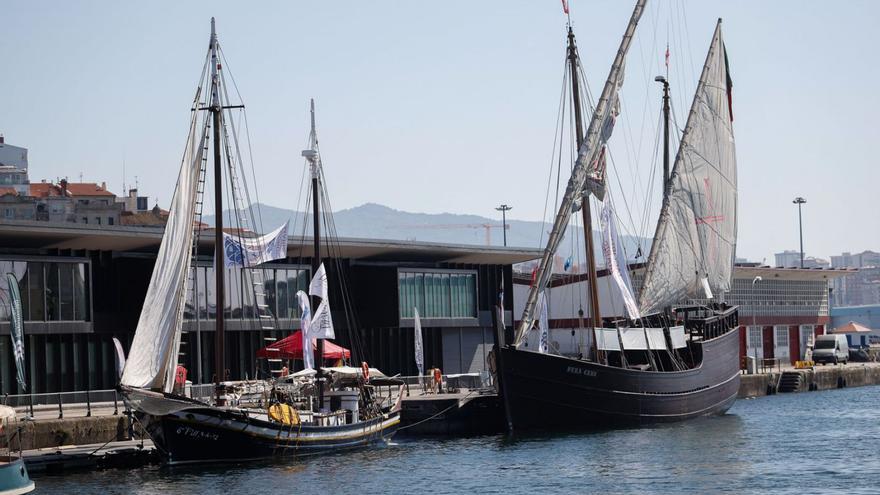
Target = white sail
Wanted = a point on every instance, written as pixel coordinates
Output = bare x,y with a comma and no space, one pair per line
615,262
694,247
152,358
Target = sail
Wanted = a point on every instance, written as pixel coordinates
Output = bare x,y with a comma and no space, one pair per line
153,355
588,158
693,251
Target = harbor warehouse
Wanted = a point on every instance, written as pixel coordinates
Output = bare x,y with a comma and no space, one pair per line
83,285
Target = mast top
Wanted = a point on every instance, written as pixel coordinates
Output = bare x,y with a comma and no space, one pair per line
311,154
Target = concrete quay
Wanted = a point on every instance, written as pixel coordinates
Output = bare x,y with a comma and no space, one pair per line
789,379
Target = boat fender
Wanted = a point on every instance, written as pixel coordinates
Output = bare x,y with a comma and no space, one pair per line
284,414
365,369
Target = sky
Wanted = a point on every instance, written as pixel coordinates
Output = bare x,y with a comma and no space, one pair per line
451,106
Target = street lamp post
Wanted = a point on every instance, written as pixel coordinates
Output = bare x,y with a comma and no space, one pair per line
504,209
754,315
799,201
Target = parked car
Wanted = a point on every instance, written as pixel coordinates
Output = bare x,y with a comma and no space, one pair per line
831,349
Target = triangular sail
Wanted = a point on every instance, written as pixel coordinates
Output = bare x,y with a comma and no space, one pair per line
694,247
153,355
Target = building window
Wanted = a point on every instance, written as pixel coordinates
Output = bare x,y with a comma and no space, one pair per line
50,291
109,220
437,294
279,288
10,213
98,220
85,220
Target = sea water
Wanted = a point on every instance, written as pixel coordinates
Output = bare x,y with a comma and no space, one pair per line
798,443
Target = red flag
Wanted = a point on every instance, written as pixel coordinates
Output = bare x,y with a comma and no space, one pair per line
565,6
667,56
534,273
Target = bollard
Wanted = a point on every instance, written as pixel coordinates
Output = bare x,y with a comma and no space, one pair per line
115,404
88,404
60,409
31,398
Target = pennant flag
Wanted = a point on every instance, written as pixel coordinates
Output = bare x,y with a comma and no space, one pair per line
667,55
120,357
252,251
614,258
565,6
417,344
17,331
318,286
305,319
321,326
543,324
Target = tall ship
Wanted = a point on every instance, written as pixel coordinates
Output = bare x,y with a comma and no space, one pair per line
674,354
315,410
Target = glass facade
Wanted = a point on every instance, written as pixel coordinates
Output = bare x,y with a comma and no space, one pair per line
437,294
279,284
50,290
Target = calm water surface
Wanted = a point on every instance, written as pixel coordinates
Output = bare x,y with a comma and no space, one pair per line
801,443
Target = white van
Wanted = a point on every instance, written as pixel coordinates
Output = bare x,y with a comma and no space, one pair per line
831,349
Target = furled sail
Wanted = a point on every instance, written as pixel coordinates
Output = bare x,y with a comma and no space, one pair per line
694,247
153,355
584,167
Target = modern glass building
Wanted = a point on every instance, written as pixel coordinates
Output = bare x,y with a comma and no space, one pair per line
83,285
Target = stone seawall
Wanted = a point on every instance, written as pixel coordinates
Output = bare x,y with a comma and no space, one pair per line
818,378
46,433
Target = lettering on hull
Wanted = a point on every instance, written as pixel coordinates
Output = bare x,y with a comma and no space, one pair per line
186,431
575,370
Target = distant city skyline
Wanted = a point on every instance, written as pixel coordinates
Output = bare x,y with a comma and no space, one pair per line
451,108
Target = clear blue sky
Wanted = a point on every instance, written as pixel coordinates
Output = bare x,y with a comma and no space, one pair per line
450,106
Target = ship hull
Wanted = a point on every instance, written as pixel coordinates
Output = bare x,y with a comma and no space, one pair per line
554,392
210,434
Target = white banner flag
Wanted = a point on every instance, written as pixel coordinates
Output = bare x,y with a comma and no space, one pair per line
321,326
305,320
318,285
543,324
120,357
252,251
419,350
614,258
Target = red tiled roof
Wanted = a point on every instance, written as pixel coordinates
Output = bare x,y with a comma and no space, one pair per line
8,190
45,189
87,189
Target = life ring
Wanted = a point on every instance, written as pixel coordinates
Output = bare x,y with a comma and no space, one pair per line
365,369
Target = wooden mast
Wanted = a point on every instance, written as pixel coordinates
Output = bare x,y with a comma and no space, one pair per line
219,269
595,316
315,165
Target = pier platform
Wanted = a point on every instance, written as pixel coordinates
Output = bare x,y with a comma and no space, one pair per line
788,379
117,454
465,412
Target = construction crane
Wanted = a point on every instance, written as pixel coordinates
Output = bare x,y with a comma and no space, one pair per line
487,226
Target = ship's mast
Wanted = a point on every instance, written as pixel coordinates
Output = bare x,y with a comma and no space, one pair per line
314,159
665,83
219,269
588,153
595,316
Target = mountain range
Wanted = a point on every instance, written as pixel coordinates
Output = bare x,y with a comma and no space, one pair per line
375,221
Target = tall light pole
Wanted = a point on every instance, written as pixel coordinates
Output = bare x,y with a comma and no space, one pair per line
799,201
754,315
504,209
